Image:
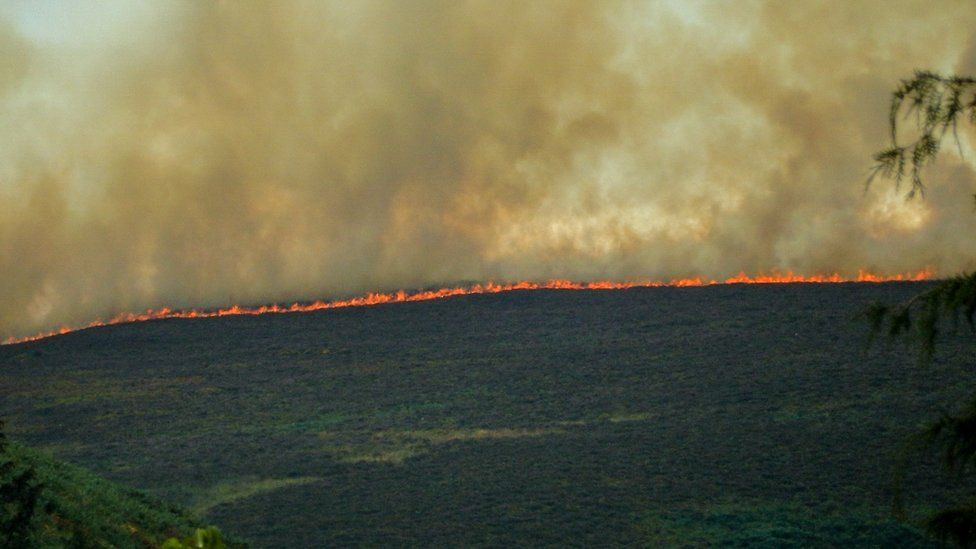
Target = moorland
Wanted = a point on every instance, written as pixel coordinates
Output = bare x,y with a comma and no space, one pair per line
739,414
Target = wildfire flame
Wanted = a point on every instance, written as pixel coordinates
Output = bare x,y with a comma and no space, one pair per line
402,296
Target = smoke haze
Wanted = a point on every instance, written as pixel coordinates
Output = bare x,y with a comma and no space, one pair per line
197,155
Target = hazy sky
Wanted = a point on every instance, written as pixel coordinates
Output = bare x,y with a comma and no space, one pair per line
198,154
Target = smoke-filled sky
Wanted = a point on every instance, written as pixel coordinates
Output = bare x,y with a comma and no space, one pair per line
196,154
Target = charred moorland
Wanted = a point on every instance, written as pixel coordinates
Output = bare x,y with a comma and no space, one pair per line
742,414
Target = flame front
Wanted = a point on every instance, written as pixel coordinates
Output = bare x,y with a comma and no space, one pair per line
401,296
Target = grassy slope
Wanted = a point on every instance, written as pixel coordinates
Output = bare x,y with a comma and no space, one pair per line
78,508
739,415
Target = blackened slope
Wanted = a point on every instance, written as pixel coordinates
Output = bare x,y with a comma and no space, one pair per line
538,417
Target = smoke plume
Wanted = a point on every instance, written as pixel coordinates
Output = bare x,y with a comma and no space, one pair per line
200,154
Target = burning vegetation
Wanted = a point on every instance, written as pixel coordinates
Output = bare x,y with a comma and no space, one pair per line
401,296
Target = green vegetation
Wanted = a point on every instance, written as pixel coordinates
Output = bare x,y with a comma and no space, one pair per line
243,488
720,415
19,494
203,538
47,503
937,102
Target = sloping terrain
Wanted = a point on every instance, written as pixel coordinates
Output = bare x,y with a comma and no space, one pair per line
729,414
75,508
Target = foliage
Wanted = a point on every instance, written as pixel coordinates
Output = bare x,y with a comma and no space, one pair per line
920,318
956,524
46,503
19,493
203,538
937,102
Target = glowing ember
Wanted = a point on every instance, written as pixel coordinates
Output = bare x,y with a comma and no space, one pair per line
401,296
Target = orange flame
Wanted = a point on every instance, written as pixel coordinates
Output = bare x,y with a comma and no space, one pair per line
401,296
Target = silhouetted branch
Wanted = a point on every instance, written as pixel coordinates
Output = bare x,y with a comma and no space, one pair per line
936,102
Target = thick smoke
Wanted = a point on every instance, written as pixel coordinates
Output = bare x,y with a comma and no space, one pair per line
198,154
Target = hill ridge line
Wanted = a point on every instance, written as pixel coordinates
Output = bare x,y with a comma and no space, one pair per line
405,296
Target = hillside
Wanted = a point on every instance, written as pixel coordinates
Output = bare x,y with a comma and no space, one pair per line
76,508
729,414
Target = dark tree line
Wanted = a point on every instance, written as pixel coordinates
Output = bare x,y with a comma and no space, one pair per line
936,104
19,494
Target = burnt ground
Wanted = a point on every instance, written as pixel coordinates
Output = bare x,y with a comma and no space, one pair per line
741,415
